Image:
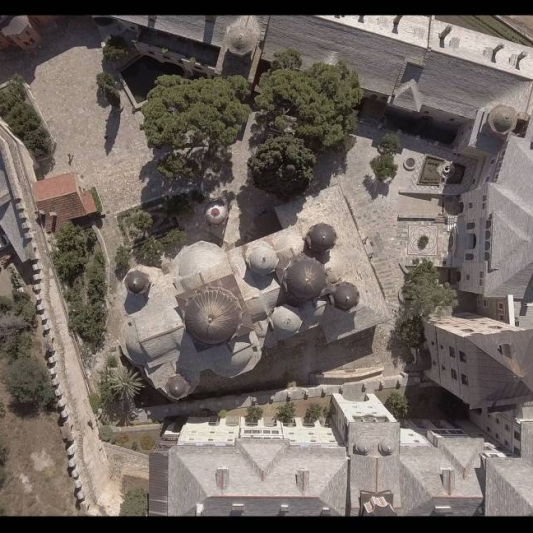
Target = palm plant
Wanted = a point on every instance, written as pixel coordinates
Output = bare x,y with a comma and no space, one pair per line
125,383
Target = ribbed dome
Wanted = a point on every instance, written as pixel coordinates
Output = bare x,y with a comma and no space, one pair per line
345,296
242,39
197,257
305,278
216,213
285,320
212,316
385,447
321,237
137,282
502,119
177,386
362,448
262,258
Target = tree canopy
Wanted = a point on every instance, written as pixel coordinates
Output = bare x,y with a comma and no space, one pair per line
286,412
115,48
70,252
282,166
28,382
321,99
384,166
290,59
397,404
390,144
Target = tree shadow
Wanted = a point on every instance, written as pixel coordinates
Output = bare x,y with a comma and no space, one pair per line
375,187
112,127
101,99
45,167
329,164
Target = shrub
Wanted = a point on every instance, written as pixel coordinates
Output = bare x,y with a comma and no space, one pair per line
16,281
121,439
28,383
105,80
285,413
313,413
115,48
282,166
409,329
222,413
173,241
423,242
397,404
390,144
253,414
149,253
70,252
135,503
94,400
96,198
106,433
147,442
112,361
122,261
383,166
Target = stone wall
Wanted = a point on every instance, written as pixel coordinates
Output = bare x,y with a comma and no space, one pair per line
125,462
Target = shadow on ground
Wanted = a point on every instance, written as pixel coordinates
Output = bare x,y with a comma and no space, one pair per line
375,187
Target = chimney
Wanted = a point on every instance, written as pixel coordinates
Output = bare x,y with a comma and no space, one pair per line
495,51
326,511
521,56
237,508
151,20
361,18
222,478
448,480
284,509
395,23
199,509
302,479
445,32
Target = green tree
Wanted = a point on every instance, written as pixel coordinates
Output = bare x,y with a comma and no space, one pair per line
28,383
409,329
175,165
384,166
253,414
135,503
397,404
288,59
422,242
423,293
149,253
313,413
178,205
106,433
70,252
282,166
202,115
122,261
108,86
320,99
173,242
126,383
115,48
390,144
141,221
285,413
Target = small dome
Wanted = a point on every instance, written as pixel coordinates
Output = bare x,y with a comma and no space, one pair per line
177,386
285,320
502,119
385,447
242,39
362,448
305,278
212,316
262,258
137,282
321,237
216,213
345,296
335,267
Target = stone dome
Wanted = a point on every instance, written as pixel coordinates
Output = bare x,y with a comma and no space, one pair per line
285,320
502,119
335,267
212,316
362,448
242,39
216,213
345,296
137,282
262,258
177,386
305,278
385,447
197,257
320,237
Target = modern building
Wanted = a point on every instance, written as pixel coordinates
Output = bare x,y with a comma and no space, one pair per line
216,309
60,199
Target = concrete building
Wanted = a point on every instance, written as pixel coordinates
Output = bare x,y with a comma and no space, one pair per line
216,309
18,30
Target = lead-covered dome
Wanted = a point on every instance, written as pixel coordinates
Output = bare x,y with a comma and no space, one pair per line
285,321
243,36
304,278
212,316
262,258
137,282
177,386
345,296
197,257
321,237
502,119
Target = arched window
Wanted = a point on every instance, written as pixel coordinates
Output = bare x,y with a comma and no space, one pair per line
470,241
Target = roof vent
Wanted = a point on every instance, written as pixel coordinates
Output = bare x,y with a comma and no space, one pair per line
302,479
395,23
495,51
237,508
199,509
222,478
284,509
326,511
521,55
506,349
448,480
361,18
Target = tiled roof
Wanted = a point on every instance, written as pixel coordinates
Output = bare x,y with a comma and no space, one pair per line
62,196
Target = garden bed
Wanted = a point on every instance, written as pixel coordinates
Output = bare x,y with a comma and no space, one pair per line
137,439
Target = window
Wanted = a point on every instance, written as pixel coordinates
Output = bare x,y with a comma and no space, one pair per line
506,427
464,380
443,367
462,357
470,205
516,450
506,442
454,374
441,347
482,275
467,277
434,362
501,318
497,435
517,436
452,352
488,429
485,303
469,257
471,225
500,306
497,420
432,343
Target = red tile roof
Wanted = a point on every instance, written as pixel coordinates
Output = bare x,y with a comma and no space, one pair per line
61,195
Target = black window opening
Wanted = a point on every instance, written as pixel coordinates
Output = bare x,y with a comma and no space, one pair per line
452,352
454,374
462,357
464,380
517,436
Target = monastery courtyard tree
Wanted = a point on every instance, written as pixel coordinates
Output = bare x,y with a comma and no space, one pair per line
194,120
320,100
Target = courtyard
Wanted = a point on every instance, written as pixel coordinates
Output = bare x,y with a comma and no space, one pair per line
110,153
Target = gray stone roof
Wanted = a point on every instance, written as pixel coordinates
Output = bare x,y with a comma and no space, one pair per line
265,469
